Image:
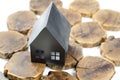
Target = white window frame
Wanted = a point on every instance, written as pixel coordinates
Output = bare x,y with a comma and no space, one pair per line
55,56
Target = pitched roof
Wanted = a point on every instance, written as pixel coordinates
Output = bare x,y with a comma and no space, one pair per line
40,24
56,24
59,27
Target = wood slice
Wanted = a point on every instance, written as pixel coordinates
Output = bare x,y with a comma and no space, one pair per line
20,67
71,16
39,6
11,42
85,7
94,68
2,77
111,50
110,20
88,34
21,21
58,75
75,50
29,33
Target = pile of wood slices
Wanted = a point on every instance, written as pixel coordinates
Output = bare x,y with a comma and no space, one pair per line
13,43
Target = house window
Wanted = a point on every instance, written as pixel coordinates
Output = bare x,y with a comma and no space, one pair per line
55,56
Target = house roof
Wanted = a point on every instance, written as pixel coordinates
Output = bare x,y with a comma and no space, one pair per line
55,23
39,25
59,27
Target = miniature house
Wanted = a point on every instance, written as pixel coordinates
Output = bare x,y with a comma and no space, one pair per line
50,37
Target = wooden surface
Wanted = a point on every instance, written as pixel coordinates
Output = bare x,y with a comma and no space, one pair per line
94,68
11,42
109,19
88,34
59,75
21,21
39,6
85,7
20,67
111,50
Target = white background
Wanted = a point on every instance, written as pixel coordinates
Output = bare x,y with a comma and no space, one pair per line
8,7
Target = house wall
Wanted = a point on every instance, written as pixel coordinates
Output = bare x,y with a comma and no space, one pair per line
46,49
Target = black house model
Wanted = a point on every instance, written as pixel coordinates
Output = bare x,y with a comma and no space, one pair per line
50,37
